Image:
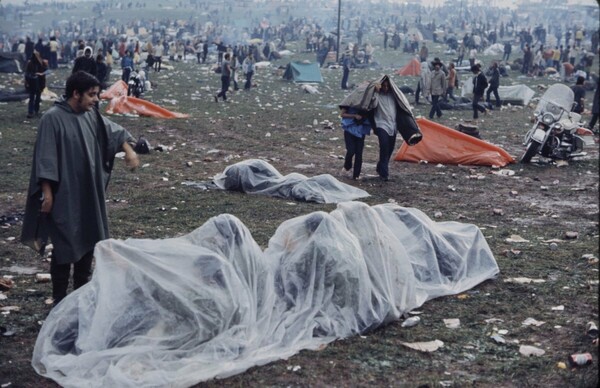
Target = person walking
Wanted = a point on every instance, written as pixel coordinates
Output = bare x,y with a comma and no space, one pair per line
248,69
225,77
72,163
452,82
437,89
126,66
158,53
579,95
346,63
356,126
423,83
35,82
494,85
384,123
480,83
507,50
595,108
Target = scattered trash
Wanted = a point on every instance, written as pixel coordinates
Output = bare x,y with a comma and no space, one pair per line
571,235
43,277
532,322
523,280
294,368
498,339
6,332
561,365
412,321
493,320
498,212
8,309
580,359
591,330
590,258
553,246
437,215
6,284
516,239
504,172
528,351
558,308
452,323
430,346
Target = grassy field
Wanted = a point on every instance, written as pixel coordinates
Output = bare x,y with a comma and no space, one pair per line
275,121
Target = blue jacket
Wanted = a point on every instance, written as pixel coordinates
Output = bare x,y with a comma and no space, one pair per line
353,127
126,61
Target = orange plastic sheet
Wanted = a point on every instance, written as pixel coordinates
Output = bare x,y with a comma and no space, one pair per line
411,68
132,105
117,89
445,145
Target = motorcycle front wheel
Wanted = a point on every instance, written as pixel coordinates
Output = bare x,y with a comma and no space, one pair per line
532,149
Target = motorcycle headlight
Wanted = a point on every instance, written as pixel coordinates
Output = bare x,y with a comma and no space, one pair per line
554,109
548,118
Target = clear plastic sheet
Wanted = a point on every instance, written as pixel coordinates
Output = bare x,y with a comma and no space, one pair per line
255,176
179,311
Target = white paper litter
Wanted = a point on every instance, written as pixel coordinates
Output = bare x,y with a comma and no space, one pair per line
430,346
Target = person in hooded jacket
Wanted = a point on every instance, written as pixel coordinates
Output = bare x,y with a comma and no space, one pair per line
35,82
86,63
72,163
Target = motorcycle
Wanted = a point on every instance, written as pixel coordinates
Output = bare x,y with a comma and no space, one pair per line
557,133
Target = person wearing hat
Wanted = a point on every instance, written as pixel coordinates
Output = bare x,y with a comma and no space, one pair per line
480,83
35,82
437,88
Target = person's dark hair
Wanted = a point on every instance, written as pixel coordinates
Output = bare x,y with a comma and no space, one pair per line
580,80
475,68
80,81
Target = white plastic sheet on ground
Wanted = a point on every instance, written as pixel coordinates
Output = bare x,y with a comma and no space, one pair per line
255,176
178,311
518,94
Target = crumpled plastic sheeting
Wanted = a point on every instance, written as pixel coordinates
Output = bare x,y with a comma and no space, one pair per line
138,106
179,311
255,176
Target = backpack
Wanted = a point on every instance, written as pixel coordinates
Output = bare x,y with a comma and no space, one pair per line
142,146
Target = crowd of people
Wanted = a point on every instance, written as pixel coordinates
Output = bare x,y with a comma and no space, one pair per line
92,47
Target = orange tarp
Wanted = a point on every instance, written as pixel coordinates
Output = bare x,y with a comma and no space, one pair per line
412,68
445,145
132,105
117,89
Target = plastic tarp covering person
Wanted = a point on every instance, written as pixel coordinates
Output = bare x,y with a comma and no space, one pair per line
255,176
179,311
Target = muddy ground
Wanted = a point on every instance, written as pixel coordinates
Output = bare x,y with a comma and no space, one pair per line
539,202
